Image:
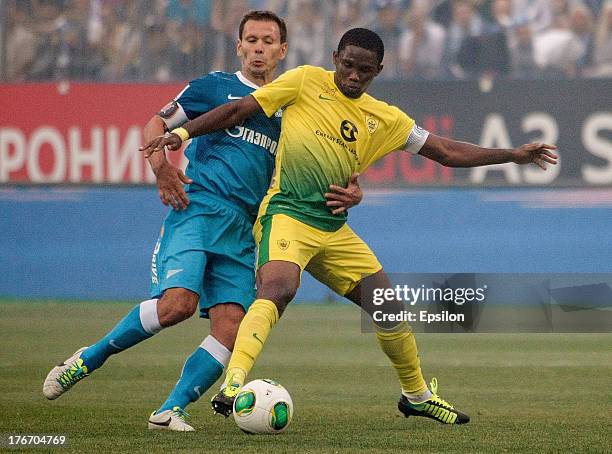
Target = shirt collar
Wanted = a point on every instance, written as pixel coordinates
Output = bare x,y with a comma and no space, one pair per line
246,81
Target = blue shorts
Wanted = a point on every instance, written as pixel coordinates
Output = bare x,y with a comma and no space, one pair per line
207,248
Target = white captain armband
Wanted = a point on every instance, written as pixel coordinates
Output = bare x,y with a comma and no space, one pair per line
416,139
173,115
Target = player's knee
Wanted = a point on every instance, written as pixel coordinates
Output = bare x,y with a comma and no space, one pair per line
281,292
176,305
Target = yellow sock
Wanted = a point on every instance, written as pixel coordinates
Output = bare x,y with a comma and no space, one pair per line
400,347
252,335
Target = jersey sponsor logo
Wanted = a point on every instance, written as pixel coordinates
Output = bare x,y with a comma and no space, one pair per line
168,110
254,137
372,123
283,244
233,97
340,142
348,131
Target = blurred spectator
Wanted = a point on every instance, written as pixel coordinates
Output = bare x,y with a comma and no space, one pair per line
21,42
421,44
537,13
522,54
195,15
388,26
501,14
492,48
349,14
307,31
166,40
125,40
159,56
560,14
195,11
48,20
193,55
77,60
442,12
458,61
603,43
581,20
226,15
558,50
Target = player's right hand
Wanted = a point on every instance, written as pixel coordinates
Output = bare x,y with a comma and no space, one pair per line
170,181
170,140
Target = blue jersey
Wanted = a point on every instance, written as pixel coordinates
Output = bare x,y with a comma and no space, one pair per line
237,163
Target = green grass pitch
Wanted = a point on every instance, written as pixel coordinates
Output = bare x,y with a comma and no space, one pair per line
535,392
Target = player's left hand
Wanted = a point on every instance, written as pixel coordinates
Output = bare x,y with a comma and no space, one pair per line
538,153
170,140
340,199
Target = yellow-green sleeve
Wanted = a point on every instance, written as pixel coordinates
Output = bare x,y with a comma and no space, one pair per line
398,134
281,92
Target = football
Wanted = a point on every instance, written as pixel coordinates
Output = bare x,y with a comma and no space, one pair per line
263,407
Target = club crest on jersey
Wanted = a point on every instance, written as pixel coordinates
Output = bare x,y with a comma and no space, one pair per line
372,123
283,244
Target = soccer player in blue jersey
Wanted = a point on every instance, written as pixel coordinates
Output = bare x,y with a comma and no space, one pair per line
205,254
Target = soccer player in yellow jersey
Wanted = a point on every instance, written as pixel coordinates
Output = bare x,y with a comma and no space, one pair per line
330,129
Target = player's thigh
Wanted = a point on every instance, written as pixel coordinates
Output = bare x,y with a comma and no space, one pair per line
179,258
281,238
344,262
228,279
230,271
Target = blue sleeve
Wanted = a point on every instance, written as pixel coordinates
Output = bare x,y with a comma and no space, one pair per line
199,96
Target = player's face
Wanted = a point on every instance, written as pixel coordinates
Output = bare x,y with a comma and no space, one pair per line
260,49
356,67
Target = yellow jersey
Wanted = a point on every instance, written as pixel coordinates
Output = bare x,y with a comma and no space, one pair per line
325,137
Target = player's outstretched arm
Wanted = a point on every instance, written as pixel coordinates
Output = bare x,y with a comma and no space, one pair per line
340,199
222,117
451,153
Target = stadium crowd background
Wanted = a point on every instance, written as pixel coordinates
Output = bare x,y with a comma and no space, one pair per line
177,40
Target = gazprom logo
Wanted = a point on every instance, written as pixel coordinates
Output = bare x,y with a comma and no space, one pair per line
254,137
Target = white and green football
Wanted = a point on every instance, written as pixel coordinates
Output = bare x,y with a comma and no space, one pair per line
263,407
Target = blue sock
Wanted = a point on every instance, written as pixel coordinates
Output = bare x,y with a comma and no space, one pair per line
200,372
139,324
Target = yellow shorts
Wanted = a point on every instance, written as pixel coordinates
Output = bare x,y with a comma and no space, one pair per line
338,259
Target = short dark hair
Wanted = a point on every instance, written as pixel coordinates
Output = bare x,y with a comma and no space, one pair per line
264,16
364,38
